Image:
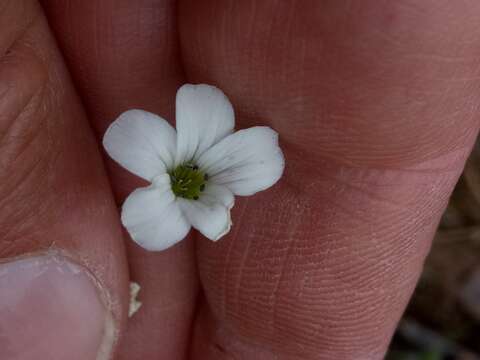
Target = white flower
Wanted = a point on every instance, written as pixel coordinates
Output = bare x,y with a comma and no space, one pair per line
194,172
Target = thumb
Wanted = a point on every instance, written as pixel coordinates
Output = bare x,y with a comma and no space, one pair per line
63,278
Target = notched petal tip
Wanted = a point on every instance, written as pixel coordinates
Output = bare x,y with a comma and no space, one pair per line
226,230
199,90
212,220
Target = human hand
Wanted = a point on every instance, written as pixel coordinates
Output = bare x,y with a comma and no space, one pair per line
375,103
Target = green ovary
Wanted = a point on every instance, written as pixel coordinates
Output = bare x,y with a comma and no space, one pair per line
188,181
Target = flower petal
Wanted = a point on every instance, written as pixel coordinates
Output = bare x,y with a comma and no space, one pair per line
204,117
218,194
246,162
152,216
212,219
142,142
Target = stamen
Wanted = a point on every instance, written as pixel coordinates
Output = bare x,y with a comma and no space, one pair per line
188,181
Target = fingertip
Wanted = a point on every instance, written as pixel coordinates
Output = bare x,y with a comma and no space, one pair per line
55,197
53,308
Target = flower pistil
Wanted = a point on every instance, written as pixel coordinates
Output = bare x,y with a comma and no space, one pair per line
188,181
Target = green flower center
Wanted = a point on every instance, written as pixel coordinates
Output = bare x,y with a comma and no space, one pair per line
188,181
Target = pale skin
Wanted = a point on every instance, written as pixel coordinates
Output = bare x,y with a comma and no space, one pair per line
376,104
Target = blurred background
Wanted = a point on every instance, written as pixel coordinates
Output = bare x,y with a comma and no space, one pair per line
443,318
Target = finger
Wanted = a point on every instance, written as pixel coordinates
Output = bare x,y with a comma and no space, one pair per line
63,284
124,55
375,103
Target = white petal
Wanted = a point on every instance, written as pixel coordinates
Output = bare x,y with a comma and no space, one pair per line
142,142
217,194
211,219
246,162
204,116
152,216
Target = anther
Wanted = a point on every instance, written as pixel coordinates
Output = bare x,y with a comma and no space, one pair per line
188,181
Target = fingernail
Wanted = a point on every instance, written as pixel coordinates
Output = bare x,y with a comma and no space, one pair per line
50,308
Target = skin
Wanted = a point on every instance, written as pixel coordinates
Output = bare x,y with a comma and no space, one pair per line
376,105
